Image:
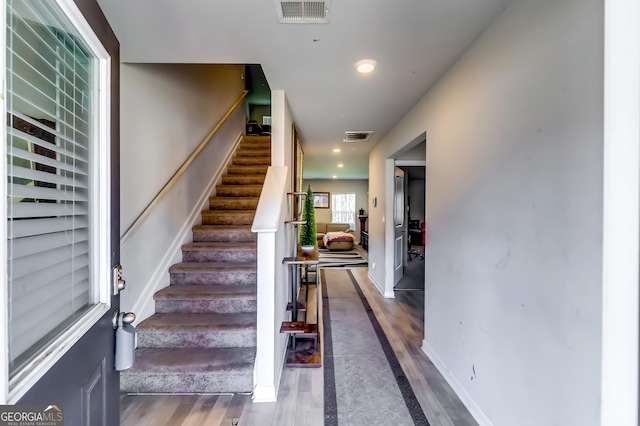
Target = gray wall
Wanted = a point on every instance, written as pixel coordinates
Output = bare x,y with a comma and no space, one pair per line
514,201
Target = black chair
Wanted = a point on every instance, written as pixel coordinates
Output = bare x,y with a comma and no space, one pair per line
414,234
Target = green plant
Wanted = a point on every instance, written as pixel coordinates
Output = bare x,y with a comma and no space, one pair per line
308,230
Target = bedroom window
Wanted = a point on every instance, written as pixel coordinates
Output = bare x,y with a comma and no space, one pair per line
343,209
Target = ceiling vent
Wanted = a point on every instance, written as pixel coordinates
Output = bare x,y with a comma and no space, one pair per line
357,136
303,12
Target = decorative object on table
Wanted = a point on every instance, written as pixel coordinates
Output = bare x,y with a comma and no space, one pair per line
361,212
308,229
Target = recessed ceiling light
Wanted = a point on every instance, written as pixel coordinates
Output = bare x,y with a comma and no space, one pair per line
340,165
334,176
365,66
336,150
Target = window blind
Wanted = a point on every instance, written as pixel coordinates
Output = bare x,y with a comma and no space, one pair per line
50,78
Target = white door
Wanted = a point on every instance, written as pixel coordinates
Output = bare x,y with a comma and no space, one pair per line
399,233
61,211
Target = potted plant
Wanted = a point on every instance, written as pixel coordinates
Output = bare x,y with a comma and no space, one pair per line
308,230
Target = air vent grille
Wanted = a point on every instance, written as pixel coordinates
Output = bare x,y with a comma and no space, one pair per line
300,12
362,136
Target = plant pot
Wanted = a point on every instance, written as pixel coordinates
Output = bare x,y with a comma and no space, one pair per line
307,249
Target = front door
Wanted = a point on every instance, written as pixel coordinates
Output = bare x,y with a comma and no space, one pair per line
399,227
61,138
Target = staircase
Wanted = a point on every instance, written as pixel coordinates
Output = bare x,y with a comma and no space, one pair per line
202,338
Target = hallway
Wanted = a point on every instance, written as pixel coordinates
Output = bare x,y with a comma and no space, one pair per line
300,399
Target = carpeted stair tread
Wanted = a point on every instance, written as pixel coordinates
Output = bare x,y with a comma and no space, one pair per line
203,321
206,251
253,144
190,370
202,360
206,299
247,170
212,273
233,203
243,179
227,217
251,161
238,190
206,266
198,330
223,233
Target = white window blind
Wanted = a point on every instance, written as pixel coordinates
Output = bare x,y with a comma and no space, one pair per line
343,209
50,79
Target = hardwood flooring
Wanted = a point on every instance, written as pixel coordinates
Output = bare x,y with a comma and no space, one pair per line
300,398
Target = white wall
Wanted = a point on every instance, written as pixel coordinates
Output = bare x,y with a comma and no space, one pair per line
166,111
514,211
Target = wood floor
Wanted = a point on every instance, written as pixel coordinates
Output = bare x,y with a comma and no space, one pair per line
300,398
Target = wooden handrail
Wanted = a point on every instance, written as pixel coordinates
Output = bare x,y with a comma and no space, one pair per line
167,186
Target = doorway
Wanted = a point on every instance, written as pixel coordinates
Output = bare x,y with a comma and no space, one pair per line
412,155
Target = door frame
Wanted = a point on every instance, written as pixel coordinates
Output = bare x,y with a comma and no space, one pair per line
390,167
621,214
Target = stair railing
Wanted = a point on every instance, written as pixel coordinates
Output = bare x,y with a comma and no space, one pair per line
178,174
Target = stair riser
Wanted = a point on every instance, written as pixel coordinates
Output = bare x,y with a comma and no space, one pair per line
219,255
206,306
242,180
197,338
212,278
206,235
256,138
253,152
263,149
187,382
238,191
214,218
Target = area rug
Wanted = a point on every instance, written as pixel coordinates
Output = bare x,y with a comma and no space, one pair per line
339,259
364,383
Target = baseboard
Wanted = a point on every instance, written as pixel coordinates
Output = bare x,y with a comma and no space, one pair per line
457,387
375,283
159,279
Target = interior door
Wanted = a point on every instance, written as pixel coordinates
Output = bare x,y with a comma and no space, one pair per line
62,70
399,212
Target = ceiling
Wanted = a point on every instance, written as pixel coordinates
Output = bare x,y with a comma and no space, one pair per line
413,41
